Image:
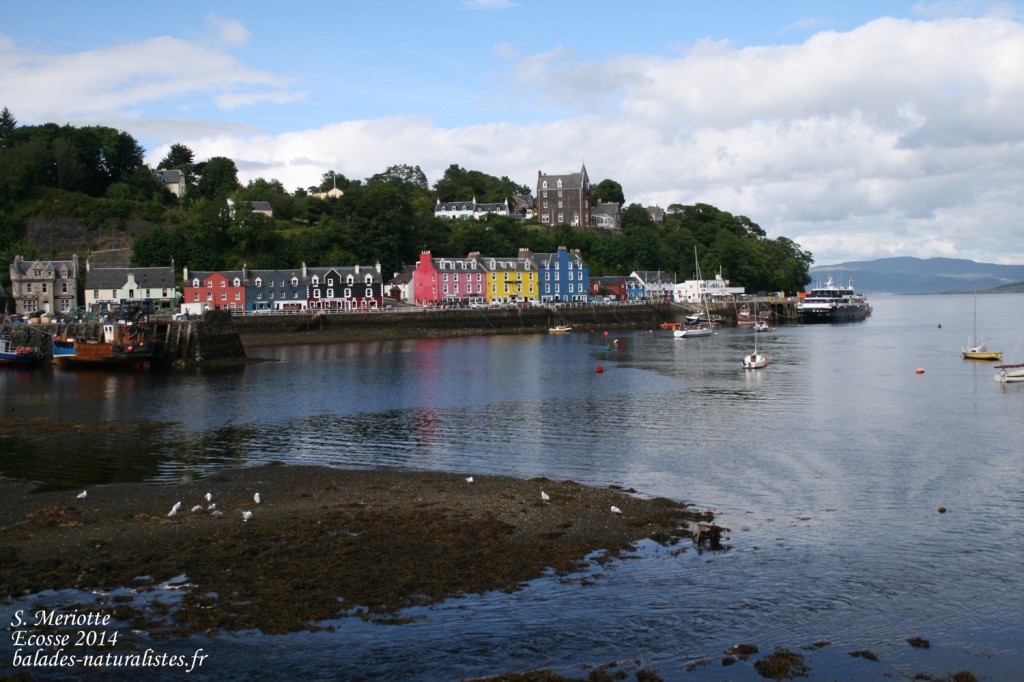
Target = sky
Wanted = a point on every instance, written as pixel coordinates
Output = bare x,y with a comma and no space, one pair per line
859,130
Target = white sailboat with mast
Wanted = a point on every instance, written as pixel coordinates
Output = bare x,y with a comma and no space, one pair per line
701,328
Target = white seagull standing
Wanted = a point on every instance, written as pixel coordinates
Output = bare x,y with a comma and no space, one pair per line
616,510
256,498
469,479
197,508
544,497
81,495
209,497
246,515
174,509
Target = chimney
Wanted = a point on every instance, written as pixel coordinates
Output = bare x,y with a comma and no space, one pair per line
184,275
304,270
245,273
357,268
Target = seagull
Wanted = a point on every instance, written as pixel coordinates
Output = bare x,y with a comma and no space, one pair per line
174,509
256,498
81,495
217,513
197,508
246,515
212,507
616,510
544,496
469,479
209,497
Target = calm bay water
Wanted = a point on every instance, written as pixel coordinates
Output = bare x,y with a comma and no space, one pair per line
828,466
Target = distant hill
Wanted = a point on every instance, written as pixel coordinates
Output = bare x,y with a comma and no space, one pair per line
908,275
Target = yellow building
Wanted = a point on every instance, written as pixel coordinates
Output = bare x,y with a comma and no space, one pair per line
511,280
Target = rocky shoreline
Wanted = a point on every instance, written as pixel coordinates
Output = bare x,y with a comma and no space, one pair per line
321,543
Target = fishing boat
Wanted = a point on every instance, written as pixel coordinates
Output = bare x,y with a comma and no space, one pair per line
13,355
560,329
976,348
832,303
761,326
700,323
123,345
1010,373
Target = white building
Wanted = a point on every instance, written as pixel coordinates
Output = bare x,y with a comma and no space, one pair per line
693,290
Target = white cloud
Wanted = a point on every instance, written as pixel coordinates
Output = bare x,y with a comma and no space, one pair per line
896,138
230,32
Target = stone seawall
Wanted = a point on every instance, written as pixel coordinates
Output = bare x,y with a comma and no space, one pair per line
334,328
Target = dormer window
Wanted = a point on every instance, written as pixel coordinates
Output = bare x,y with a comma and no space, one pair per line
369,279
259,282
349,279
316,281
237,282
195,282
544,184
295,281
559,184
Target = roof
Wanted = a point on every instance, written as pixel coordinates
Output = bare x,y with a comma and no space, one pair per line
261,206
170,176
22,266
115,278
654,277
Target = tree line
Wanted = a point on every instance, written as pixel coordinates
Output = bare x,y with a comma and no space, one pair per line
98,176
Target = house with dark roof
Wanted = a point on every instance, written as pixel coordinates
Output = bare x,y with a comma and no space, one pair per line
562,276
606,216
564,199
609,285
122,285
172,179
469,209
44,286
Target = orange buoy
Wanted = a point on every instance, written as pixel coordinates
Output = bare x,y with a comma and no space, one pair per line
600,369
920,370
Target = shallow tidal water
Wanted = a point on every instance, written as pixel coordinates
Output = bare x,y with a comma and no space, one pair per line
829,466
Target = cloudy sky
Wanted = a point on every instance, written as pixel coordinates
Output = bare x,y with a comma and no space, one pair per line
859,130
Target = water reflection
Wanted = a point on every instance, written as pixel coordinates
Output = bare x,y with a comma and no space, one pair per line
829,465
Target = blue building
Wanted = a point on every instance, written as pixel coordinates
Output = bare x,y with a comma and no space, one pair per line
562,277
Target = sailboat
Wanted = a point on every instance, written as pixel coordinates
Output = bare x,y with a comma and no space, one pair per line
976,348
755,360
703,326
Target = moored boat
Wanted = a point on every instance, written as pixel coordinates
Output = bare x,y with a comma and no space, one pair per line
17,356
976,348
122,346
560,329
832,303
1010,373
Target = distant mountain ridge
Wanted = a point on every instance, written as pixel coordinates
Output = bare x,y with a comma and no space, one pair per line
908,275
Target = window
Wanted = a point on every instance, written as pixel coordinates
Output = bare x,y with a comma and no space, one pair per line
96,294
444,278
148,294
210,284
544,184
258,282
28,287
348,293
238,295
223,284
330,292
195,296
209,295
44,287
65,306
330,281
237,282
223,295
316,281
349,279
559,182
195,282
295,281
316,293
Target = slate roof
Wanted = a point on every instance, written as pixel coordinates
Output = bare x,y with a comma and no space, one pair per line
115,278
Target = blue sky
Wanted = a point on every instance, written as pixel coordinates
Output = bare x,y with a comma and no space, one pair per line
858,129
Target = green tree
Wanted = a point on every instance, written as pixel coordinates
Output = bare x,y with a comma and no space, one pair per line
7,125
608,191
218,178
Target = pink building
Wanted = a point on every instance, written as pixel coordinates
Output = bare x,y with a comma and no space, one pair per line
438,281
